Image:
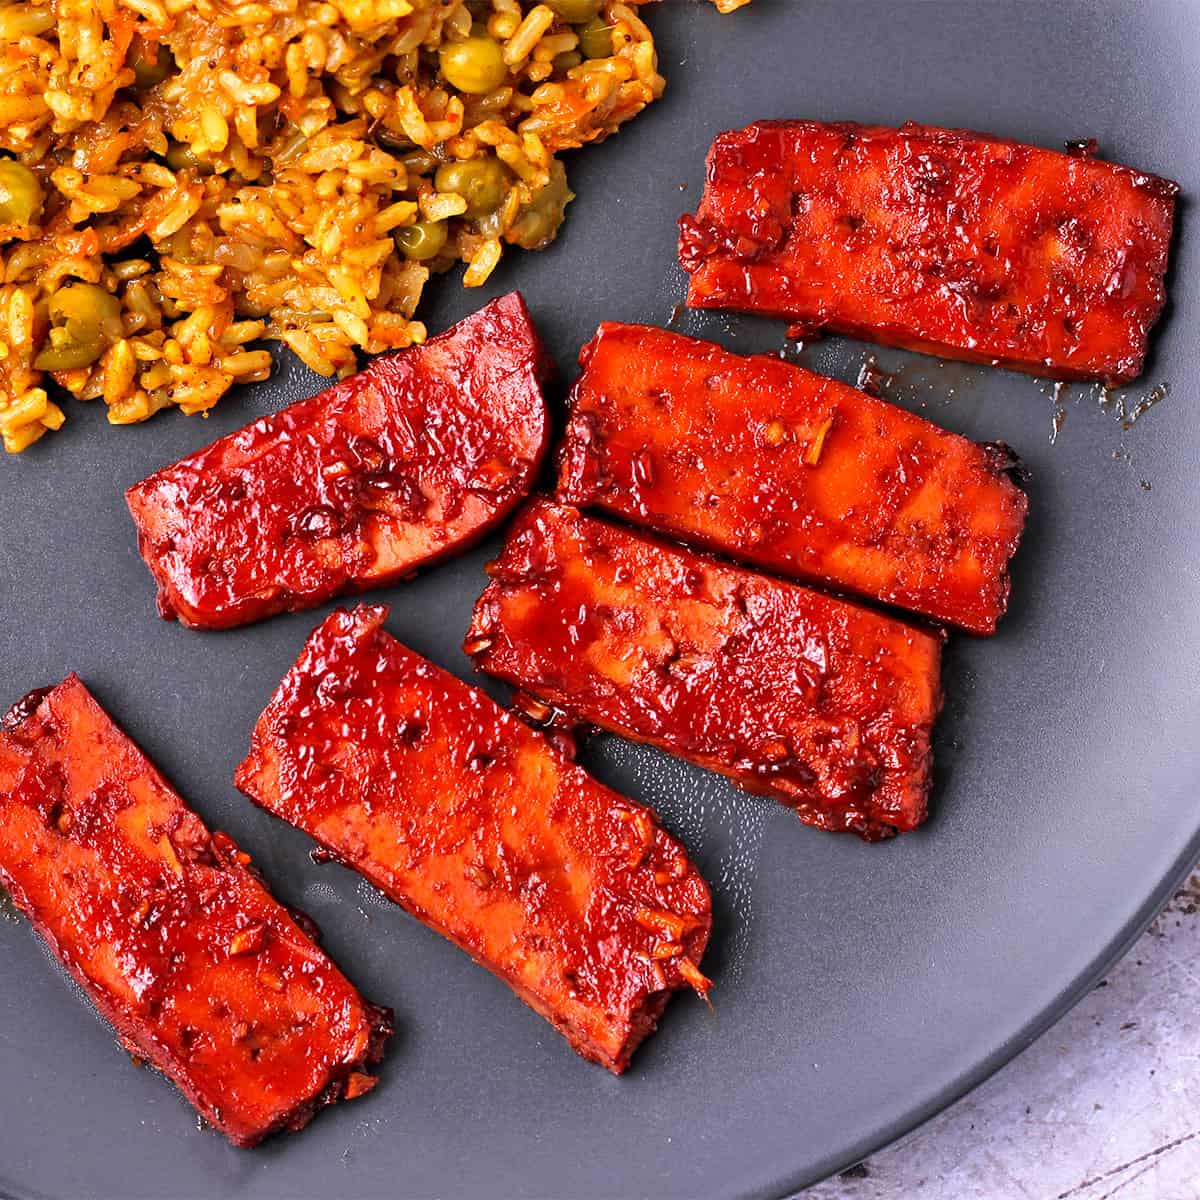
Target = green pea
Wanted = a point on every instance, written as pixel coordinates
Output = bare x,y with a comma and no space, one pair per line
475,66
85,304
596,38
537,225
422,241
181,157
84,319
575,12
418,162
178,245
151,62
60,353
481,182
20,193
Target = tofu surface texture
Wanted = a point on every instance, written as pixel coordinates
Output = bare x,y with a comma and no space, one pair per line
771,464
945,241
407,462
169,931
477,825
824,704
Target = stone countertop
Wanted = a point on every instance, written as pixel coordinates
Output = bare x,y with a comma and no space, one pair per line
1105,1105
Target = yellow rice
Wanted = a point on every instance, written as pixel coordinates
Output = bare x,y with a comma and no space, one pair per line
253,186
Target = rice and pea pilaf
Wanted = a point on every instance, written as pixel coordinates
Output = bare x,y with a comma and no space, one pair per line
182,178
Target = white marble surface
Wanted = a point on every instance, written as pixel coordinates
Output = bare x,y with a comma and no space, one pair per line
1106,1105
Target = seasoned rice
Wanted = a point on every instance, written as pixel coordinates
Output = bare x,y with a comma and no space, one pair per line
185,178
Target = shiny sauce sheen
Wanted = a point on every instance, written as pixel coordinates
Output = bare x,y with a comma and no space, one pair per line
470,819
937,240
169,931
400,465
776,466
821,703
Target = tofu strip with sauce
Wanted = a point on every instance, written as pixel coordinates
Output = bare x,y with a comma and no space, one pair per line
771,464
401,465
821,703
939,240
168,930
477,825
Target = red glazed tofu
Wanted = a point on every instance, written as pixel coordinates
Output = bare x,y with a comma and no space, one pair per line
407,462
170,933
825,705
939,240
791,471
573,895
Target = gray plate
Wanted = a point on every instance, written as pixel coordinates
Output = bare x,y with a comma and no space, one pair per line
858,988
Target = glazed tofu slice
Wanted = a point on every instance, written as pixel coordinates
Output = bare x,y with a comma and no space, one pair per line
791,693
454,808
169,931
773,465
939,240
405,463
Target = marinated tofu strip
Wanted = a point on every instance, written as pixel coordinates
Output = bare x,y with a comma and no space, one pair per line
405,463
791,693
169,931
472,821
938,240
788,470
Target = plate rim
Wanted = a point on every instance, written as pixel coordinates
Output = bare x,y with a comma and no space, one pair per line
1029,1033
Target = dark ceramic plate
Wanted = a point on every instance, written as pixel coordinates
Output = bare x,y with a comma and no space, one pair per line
858,988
